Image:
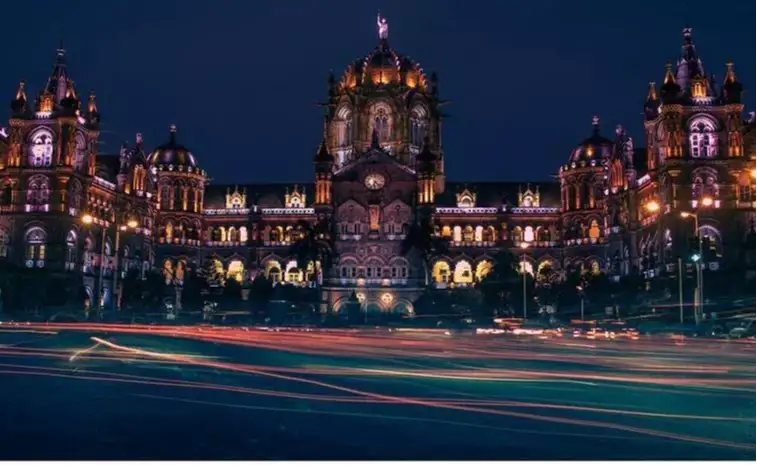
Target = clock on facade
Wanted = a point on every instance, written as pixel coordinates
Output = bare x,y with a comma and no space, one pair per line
374,181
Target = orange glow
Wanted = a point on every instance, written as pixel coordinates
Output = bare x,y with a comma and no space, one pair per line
87,219
707,201
652,206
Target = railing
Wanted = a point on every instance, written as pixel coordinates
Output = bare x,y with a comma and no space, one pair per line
467,211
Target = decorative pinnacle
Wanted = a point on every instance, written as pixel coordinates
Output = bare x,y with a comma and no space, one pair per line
172,128
595,120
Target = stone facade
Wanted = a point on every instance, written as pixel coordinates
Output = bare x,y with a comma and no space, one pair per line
615,207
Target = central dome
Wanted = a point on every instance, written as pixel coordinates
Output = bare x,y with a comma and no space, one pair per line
384,66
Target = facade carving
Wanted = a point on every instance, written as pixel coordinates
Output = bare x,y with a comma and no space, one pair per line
379,165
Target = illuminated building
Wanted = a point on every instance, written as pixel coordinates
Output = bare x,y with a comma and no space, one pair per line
380,164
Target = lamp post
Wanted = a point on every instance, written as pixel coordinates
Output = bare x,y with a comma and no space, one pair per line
524,246
89,220
698,261
116,298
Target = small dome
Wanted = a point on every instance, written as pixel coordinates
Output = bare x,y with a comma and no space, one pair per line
172,153
594,147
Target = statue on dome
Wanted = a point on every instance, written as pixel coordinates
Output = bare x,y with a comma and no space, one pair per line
383,27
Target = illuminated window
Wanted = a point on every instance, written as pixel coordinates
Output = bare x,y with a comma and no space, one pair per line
38,190
440,272
703,138
463,273
594,231
80,156
483,268
528,234
236,270
41,148
457,234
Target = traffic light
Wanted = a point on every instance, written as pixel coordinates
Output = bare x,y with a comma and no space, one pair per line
694,254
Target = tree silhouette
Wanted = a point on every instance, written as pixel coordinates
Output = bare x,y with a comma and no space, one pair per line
422,239
315,245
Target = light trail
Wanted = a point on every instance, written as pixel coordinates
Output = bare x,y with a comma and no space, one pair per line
700,369
407,400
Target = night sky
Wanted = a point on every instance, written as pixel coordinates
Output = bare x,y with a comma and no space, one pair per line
240,78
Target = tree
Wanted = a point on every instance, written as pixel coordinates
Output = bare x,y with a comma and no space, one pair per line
315,245
132,290
194,289
422,239
232,292
261,292
212,273
498,286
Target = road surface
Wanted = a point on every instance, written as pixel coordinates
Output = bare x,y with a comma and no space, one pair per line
96,391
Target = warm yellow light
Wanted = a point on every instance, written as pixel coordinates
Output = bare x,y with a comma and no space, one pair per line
132,224
524,245
686,214
707,201
87,219
652,206
122,227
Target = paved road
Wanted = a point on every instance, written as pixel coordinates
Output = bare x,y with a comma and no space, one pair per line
88,391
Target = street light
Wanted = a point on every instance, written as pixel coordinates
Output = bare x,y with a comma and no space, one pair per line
652,206
697,258
116,297
707,201
88,220
524,246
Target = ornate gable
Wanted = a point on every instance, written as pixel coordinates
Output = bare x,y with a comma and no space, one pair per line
466,199
295,199
529,198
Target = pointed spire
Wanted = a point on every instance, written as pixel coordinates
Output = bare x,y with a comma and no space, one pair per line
652,92
730,74
58,80
19,105
669,76
172,129
732,88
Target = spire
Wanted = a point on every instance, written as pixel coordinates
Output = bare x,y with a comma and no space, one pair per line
669,77
652,104
58,80
172,129
732,88
92,103
19,105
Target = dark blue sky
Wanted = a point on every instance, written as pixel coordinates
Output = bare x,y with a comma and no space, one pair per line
239,78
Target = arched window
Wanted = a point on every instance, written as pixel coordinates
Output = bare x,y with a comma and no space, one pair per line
41,148
528,234
76,195
381,125
38,190
457,234
441,272
35,246
80,155
463,273
236,270
594,231
703,138
483,268
418,125
468,234
233,236
71,250
169,231
165,197
478,234
243,234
